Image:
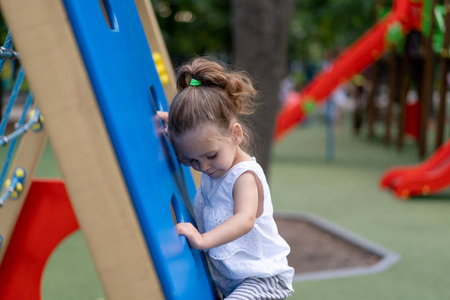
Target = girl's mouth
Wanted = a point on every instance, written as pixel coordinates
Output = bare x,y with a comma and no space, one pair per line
210,174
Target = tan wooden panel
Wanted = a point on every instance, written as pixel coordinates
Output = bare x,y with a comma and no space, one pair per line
156,42
28,154
56,73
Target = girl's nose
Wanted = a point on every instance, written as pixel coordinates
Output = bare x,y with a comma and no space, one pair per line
203,166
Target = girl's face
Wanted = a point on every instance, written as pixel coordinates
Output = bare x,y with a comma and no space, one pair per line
208,149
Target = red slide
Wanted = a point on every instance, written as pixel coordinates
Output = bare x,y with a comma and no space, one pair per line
367,49
426,178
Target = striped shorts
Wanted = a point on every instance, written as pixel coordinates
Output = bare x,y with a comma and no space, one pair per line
255,288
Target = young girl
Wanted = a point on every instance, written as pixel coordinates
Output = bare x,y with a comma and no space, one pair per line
232,207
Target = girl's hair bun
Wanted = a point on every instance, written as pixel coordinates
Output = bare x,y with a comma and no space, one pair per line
210,73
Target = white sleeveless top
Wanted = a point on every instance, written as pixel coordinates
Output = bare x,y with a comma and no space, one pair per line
261,252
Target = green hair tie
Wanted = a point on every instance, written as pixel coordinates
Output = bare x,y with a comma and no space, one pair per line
195,82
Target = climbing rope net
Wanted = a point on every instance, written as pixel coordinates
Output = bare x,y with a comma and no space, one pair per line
14,185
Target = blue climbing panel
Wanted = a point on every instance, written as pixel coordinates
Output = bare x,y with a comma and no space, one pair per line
128,90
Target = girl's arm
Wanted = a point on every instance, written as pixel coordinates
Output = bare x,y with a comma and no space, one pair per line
245,195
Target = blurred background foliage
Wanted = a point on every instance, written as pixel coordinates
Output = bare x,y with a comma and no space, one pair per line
319,25
316,31
203,27
195,27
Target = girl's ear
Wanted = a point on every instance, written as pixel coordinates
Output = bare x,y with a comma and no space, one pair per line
237,133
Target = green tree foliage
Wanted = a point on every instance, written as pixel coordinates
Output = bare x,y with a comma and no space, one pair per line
203,27
195,27
320,25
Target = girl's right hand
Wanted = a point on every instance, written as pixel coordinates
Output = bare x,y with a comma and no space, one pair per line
194,237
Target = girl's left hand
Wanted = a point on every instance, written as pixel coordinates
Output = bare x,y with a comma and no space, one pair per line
194,237
164,116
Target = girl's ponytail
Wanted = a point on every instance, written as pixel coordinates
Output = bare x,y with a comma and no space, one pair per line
210,73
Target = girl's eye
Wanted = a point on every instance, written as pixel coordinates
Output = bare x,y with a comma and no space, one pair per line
212,156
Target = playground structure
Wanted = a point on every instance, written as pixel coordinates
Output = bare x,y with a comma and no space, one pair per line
431,175
393,34
365,51
123,185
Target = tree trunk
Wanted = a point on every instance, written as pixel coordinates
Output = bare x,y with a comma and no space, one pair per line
260,40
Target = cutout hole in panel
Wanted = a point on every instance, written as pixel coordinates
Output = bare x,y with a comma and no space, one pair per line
172,211
176,208
178,213
167,147
109,15
157,104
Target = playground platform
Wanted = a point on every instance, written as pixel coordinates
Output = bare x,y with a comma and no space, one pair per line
344,192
